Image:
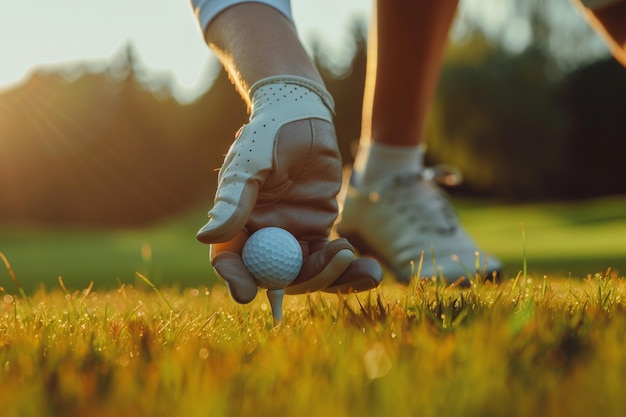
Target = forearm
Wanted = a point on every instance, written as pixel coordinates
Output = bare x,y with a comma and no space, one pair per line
608,19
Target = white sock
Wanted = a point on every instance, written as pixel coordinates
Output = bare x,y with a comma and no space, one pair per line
375,161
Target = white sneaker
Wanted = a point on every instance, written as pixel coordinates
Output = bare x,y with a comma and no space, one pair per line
405,216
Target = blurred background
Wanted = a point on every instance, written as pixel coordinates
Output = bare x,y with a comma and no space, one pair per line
115,116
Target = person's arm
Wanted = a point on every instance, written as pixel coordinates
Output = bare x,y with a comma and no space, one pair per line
608,19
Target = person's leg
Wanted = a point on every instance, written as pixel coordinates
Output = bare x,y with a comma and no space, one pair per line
284,168
391,209
406,46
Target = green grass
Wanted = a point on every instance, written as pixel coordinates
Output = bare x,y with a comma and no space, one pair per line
561,240
543,344
167,253
529,347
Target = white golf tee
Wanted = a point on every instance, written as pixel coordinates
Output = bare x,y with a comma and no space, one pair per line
275,298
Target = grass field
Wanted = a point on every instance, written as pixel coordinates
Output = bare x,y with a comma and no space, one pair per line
545,343
528,347
560,240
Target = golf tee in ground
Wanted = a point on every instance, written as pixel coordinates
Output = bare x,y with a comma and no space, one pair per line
276,302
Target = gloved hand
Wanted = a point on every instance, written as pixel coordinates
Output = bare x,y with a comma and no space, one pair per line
284,170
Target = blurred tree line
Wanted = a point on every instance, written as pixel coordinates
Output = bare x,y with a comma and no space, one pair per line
106,149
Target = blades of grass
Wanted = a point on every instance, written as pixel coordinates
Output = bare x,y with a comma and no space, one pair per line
105,318
477,273
460,317
381,306
348,309
420,264
484,272
365,311
418,277
432,256
524,265
87,291
468,272
311,306
433,317
151,285
62,285
524,252
519,273
13,277
521,316
498,297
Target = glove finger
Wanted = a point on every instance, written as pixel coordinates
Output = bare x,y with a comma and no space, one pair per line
229,214
231,269
227,262
363,274
322,267
247,165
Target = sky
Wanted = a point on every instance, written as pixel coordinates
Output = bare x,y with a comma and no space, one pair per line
57,33
168,41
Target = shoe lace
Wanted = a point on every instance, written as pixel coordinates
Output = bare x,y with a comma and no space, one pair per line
417,197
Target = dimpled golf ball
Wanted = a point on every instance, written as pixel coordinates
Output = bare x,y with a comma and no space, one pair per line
273,256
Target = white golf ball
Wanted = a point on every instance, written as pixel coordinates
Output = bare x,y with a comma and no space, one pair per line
273,256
